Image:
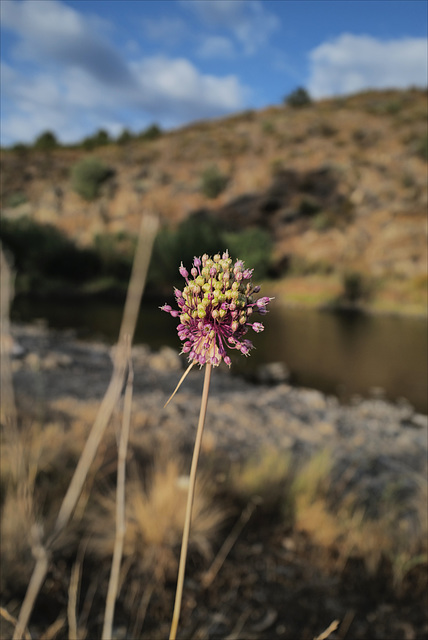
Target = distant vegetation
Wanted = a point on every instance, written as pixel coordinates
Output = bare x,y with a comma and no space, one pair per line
201,234
47,140
88,175
298,98
43,256
213,182
315,179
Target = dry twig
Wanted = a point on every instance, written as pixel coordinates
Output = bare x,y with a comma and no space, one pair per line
113,585
148,229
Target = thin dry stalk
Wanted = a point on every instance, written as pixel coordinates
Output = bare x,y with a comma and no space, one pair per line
332,627
148,229
36,581
227,546
54,628
4,613
8,408
190,497
73,593
113,586
142,610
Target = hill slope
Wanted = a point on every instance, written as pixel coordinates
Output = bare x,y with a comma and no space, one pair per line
340,184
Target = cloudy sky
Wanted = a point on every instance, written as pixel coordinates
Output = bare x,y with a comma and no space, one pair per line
74,66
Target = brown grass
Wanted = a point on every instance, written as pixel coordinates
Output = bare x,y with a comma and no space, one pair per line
154,521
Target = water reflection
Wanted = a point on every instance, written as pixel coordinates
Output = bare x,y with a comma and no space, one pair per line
343,354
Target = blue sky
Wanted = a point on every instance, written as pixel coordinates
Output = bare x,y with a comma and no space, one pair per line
74,66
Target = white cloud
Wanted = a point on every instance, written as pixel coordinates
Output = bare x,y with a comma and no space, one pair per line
79,82
248,20
216,47
351,63
55,34
176,87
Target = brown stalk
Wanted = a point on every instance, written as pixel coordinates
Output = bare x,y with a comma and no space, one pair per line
113,586
148,229
190,498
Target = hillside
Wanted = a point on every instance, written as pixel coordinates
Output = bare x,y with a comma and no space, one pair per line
340,185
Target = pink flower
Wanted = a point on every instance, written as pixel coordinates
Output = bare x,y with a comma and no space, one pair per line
214,309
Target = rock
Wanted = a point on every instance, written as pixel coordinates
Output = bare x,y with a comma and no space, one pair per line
374,445
166,359
272,373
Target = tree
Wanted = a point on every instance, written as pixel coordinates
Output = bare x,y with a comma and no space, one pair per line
46,141
298,98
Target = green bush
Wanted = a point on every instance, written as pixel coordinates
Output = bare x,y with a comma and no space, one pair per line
116,254
254,247
197,235
309,206
99,139
268,127
151,133
16,199
87,176
213,182
201,234
125,137
42,251
298,98
356,287
46,141
421,147
323,220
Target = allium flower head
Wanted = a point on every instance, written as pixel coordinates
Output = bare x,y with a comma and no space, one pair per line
215,309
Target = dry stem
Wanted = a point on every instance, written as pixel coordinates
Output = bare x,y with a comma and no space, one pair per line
190,497
148,229
113,585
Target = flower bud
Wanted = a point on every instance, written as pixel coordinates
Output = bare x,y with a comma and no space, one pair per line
183,271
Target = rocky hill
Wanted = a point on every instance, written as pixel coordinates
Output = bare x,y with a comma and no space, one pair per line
339,184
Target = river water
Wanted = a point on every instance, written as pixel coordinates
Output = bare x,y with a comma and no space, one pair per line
343,354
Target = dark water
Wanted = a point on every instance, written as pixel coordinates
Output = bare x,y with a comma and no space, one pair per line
341,354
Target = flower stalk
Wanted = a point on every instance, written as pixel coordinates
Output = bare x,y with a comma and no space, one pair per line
215,311
189,505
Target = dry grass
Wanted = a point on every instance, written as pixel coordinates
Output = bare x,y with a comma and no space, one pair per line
348,529
339,529
155,511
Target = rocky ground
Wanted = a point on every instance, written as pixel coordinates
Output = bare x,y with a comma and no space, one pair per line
270,586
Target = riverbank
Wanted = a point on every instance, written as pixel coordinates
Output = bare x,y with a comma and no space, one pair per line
340,554
53,366
388,296
318,292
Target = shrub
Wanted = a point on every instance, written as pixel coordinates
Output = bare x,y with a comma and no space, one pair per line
308,206
356,287
298,98
87,176
253,246
42,251
200,234
20,148
421,147
124,137
197,235
151,133
323,221
268,127
46,141
16,199
116,253
213,182
99,139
